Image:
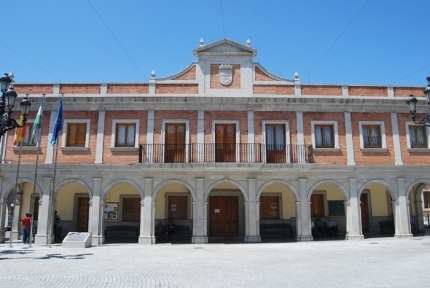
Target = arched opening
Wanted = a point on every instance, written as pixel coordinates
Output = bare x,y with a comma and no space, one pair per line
122,214
173,202
328,212
419,207
277,212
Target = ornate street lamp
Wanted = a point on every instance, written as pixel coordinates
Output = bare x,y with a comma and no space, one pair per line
7,103
412,102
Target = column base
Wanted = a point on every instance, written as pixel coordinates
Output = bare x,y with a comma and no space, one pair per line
97,240
354,237
304,238
252,239
199,240
403,235
148,240
42,239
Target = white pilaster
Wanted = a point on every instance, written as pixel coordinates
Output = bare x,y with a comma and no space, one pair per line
100,138
251,220
147,215
16,216
251,136
402,215
199,216
303,207
396,140
349,143
49,147
353,215
95,223
200,135
345,91
42,222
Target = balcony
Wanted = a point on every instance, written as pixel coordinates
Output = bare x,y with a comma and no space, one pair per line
225,152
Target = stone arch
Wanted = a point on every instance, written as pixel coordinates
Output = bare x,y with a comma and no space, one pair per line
220,181
279,181
11,184
384,183
173,181
339,185
72,180
410,186
109,186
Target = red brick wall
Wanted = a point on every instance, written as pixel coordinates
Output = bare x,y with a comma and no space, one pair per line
176,89
240,116
123,157
261,76
326,158
215,84
406,91
372,158
127,89
274,89
367,91
321,90
189,75
80,89
34,89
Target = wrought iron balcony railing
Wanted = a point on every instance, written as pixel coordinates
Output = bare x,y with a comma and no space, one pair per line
225,152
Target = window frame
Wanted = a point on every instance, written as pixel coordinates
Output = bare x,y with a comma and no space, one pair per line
66,123
166,202
237,136
187,135
383,138
121,206
136,133
408,138
335,135
324,205
279,196
264,123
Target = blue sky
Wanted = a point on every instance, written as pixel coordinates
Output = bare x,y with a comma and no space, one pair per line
368,42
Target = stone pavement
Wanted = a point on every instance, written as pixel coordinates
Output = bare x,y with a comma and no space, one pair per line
376,262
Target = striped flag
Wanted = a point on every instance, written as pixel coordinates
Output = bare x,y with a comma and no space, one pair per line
37,126
58,123
20,131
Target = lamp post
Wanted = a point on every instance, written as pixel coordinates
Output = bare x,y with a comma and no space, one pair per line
412,102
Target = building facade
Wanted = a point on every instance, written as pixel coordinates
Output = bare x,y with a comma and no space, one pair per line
221,147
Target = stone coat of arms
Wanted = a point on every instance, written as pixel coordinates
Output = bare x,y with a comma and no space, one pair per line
225,74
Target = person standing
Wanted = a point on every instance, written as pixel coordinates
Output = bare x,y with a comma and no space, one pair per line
25,223
170,228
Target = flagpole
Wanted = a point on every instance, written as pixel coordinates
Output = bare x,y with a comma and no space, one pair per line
35,176
14,201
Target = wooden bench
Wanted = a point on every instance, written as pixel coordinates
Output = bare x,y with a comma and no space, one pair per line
126,231
276,230
387,227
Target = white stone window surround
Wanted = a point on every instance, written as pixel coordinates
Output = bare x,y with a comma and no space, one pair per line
236,122
381,125
335,135
408,139
187,135
287,136
136,136
66,123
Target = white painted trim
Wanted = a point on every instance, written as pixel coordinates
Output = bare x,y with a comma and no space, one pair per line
100,138
136,136
349,142
49,147
408,137
396,140
287,137
300,135
236,122
187,135
382,128
65,125
335,133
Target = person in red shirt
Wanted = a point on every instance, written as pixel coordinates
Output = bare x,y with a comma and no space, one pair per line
25,223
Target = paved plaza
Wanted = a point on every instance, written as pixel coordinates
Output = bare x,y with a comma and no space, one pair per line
377,262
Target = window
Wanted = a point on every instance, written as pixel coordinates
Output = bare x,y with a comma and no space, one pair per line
225,142
125,135
317,205
417,136
269,207
174,143
275,143
131,209
177,208
336,208
76,134
372,135
325,135
28,130
426,196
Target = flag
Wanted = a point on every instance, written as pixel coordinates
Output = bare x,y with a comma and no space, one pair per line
20,132
37,126
58,123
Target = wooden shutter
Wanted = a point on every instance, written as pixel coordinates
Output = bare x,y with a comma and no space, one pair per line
76,134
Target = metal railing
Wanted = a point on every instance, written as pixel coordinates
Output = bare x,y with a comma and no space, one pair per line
225,152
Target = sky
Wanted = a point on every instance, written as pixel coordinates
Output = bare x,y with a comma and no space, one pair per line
345,42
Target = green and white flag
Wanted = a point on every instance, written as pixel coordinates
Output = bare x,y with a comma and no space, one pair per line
37,125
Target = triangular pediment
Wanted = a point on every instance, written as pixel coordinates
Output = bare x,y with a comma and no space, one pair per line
225,47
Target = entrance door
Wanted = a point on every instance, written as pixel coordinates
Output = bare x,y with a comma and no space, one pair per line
224,216
83,212
174,151
364,206
225,143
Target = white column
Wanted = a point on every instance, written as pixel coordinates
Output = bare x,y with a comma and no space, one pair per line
147,215
396,140
150,137
251,220
199,216
49,147
42,222
100,138
3,207
349,143
200,135
401,216
301,151
16,224
251,137
95,221
303,207
353,213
